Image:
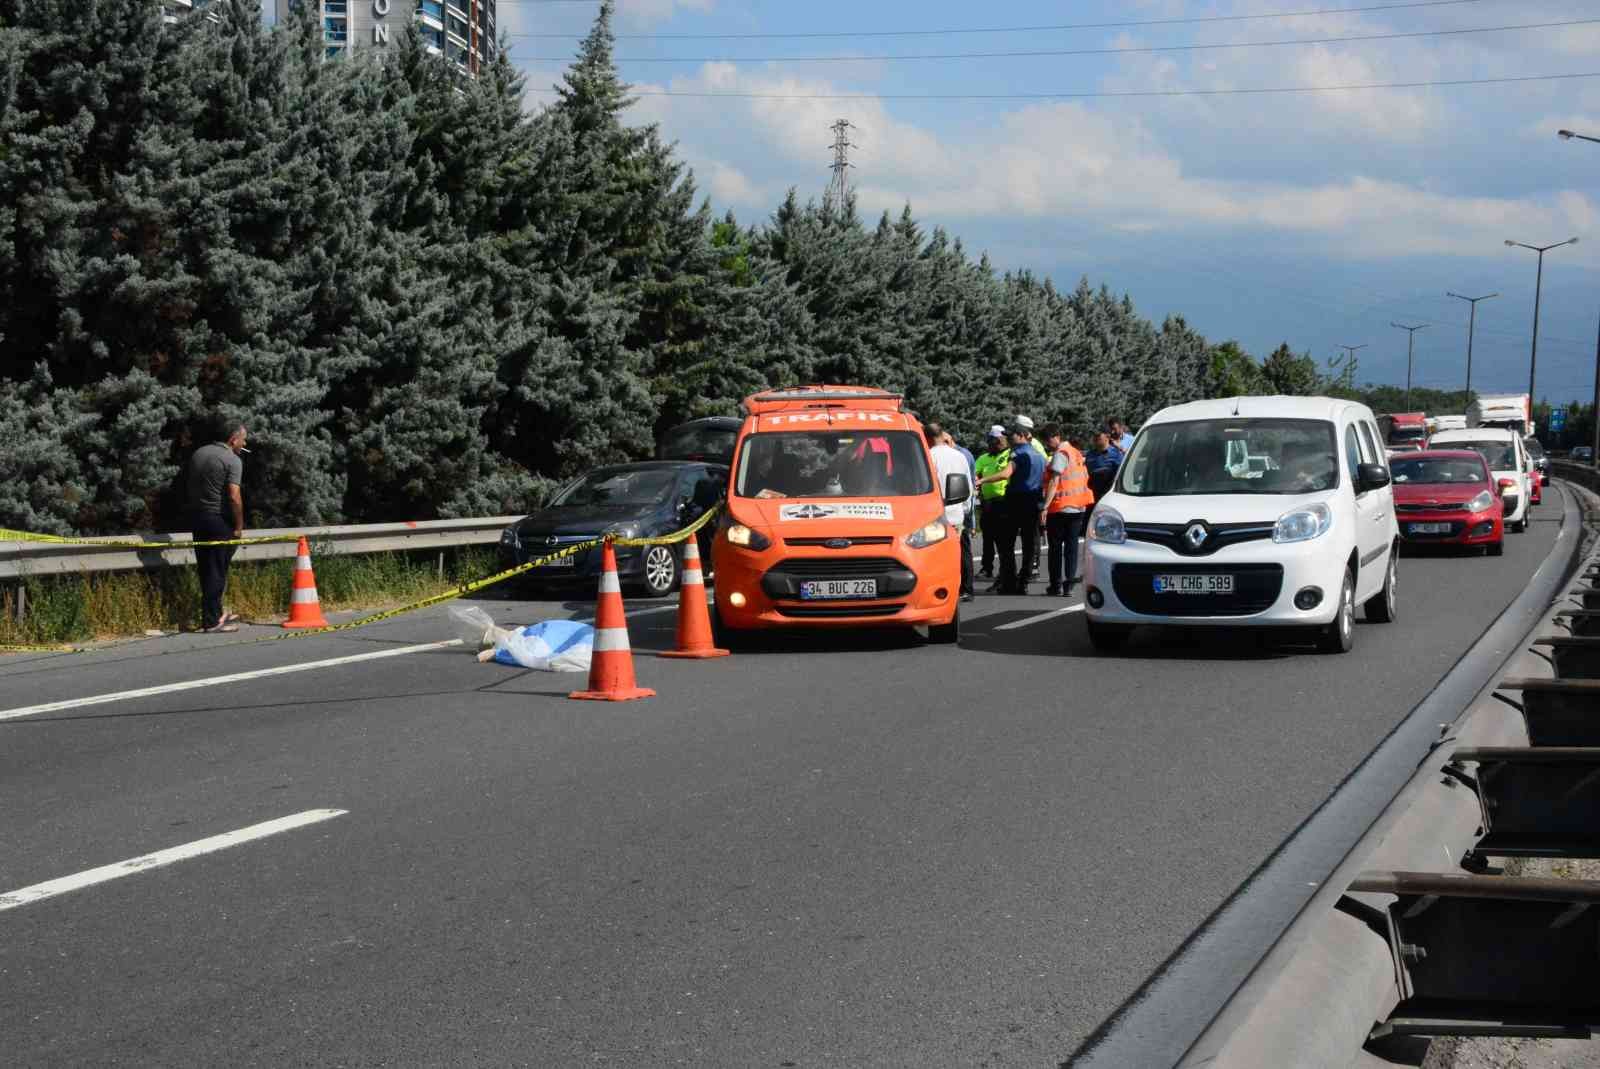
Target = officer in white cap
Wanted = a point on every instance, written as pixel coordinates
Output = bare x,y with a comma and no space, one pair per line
1023,425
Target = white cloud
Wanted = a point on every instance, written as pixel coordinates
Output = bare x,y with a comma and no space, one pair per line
728,185
1070,161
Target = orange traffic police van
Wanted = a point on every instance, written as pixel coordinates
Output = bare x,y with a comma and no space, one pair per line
834,518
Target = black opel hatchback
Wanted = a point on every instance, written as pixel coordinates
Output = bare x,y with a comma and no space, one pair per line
643,500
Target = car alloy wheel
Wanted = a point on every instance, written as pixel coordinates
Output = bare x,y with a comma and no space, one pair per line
1382,606
1340,636
660,571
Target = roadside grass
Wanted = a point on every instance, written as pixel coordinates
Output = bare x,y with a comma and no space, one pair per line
89,605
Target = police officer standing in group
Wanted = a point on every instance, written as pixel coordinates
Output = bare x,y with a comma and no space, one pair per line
1068,500
216,514
1019,512
991,493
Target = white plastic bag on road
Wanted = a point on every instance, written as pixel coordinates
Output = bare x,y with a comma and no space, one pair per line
474,627
548,646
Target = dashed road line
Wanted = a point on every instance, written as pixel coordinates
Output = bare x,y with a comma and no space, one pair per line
41,891
212,681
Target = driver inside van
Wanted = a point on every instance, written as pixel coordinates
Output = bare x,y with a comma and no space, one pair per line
1305,468
782,476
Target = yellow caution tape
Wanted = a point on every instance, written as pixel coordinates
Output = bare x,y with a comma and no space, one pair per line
8,535
449,595
675,537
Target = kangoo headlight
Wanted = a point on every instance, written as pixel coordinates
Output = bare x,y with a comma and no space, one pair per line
1106,525
1303,524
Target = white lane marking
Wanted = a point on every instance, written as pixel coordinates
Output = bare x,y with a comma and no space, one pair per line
1026,621
237,677
40,891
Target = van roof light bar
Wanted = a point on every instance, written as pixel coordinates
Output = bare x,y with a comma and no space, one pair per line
804,394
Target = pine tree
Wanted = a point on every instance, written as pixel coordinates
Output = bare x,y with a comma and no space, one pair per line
1291,375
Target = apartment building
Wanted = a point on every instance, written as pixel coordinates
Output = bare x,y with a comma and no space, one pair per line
463,31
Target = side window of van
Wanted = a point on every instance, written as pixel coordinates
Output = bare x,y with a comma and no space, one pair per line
1352,451
1370,452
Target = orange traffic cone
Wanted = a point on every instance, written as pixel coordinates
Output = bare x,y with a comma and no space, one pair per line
694,622
611,668
304,608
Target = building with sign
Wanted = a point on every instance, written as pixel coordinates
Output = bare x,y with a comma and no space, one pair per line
177,9
463,31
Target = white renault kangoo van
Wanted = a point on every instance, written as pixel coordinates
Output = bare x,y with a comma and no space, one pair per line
1246,511
1508,464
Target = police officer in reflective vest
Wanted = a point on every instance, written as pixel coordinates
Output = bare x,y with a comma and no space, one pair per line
1068,500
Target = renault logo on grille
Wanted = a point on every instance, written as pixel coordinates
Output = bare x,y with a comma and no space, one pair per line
1196,535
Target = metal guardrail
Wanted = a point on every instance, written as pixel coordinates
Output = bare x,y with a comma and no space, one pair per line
1582,474
21,559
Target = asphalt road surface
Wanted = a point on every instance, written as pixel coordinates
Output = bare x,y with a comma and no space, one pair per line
853,850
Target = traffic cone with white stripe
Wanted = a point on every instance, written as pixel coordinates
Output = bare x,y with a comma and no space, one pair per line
694,621
611,666
304,608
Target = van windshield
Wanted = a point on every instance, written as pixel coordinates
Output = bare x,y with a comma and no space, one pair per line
1500,456
833,464
1232,456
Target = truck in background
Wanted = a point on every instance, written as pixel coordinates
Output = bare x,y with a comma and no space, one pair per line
1447,423
1513,411
1404,431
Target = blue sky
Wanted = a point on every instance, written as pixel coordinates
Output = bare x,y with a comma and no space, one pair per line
1316,218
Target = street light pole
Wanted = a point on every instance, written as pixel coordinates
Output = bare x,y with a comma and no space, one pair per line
1594,413
1538,284
1411,336
1350,362
1472,322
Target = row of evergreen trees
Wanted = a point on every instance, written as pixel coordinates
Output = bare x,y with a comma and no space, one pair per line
425,301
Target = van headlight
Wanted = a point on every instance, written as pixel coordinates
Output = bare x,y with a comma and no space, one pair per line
1303,524
740,535
928,534
508,537
1106,525
1481,503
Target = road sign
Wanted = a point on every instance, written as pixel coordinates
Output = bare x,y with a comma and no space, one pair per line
1558,419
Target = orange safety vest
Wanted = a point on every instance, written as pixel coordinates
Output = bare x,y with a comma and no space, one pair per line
1072,486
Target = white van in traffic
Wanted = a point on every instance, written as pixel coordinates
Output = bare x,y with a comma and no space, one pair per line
1508,462
1246,511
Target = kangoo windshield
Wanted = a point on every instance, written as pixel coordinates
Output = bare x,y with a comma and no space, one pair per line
1499,455
1232,456
833,464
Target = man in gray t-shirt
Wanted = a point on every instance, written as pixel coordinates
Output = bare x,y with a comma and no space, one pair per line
216,513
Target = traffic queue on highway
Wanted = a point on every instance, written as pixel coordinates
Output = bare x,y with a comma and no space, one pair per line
1281,514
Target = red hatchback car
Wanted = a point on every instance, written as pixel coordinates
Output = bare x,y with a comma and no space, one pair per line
1448,497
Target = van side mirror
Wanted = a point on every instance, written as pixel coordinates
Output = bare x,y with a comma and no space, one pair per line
957,488
1371,477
